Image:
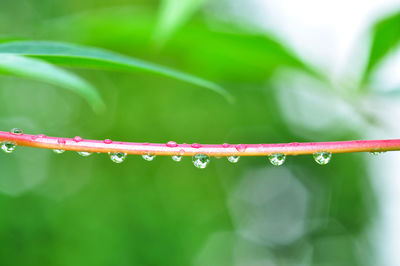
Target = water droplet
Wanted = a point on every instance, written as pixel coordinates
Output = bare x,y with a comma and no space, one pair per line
84,153
117,157
376,153
148,157
16,131
277,158
196,145
108,141
181,152
233,158
172,144
61,141
225,145
240,147
201,160
58,151
77,139
177,158
322,157
8,147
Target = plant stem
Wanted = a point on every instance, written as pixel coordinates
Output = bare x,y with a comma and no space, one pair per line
171,148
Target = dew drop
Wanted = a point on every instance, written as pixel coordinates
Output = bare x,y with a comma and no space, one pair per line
376,153
148,157
58,151
108,141
16,131
277,158
84,153
171,144
233,158
201,160
181,152
322,157
117,157
225,145
8,147
77,139
240,147
177,158
61,141
196,145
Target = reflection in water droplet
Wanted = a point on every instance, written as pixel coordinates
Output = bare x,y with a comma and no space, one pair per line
77,139
322,157
172,144
117,157
277,158
177,158
108,141
233,158
58,151
61,141
8,147
181,152
201,160
148,157
84,153
16,131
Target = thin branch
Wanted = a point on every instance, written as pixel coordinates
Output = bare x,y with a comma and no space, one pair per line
172,148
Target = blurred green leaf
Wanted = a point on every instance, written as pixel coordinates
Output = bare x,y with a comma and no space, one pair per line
385,38
214,50
83,56
42,71
173,14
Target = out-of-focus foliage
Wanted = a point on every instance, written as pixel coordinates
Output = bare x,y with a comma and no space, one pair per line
42,71
173,14
385,38
69,210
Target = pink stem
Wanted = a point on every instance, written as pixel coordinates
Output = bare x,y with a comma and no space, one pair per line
172,148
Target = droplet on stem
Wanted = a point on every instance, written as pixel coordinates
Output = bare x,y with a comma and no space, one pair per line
16,131
201,160
322,158
8,147
77,139
177,158
277,159
58,151
196,145
233,158
240,147
84,153
172,144
117,157
148,157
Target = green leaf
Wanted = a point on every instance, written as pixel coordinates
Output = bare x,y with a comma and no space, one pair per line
173,14
225,53
83,56
385,38
42,71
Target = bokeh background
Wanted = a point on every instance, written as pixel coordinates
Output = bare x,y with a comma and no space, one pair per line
300,70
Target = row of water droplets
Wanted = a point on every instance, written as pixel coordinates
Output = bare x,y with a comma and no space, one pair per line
199,160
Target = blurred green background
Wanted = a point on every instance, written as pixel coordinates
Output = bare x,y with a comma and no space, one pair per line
69,210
